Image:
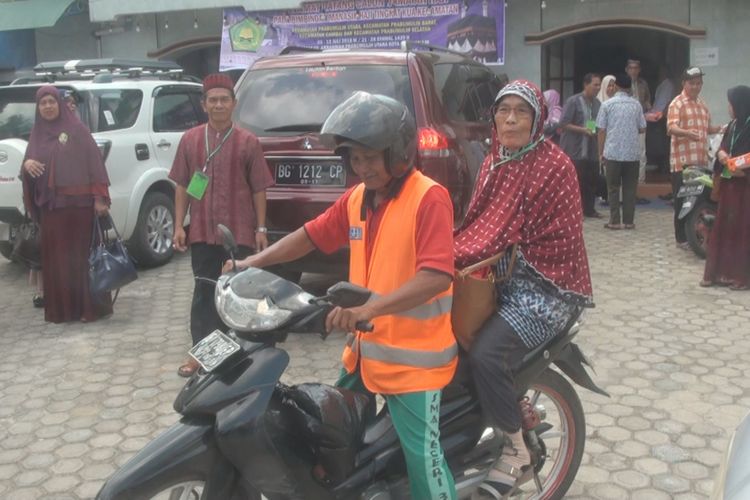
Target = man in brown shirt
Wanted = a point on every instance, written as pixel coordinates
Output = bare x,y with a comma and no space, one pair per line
221,175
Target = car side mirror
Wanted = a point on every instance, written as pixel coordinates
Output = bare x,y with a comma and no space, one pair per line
345,294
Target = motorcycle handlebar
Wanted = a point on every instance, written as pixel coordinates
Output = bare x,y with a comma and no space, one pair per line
364,326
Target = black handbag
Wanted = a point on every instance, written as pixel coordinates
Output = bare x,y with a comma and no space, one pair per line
27,246
110,266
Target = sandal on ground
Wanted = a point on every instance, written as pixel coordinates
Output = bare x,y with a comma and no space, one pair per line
706,283
628,226
38,301
187,369
612,226
735,287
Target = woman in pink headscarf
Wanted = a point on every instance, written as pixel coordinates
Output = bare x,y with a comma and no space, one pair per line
65,185
526,195
554,113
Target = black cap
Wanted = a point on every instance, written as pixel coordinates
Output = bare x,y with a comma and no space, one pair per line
692,72
623,81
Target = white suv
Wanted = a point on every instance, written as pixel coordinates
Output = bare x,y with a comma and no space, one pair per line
137,112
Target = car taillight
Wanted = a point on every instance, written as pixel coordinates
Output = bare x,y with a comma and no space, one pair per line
432,143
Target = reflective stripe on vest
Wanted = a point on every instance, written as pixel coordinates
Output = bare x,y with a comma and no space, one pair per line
441,305
408,357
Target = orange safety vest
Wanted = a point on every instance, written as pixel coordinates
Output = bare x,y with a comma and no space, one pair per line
413,350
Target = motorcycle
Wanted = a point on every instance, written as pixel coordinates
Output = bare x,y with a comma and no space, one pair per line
245,435
698,211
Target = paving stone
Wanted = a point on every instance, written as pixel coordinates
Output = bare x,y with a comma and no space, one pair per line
630,479
671,484
83,399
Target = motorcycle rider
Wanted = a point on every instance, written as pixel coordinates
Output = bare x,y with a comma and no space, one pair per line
398,224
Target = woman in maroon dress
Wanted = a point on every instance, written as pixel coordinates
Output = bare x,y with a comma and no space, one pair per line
65,185
728,256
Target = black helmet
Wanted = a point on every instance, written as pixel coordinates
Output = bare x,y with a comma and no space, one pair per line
375,122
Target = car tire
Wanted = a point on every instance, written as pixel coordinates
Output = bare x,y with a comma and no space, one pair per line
151,242
6,249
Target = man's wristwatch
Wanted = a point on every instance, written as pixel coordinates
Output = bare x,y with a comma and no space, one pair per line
261,229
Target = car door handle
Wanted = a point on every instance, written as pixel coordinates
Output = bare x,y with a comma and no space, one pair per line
164,144
141,152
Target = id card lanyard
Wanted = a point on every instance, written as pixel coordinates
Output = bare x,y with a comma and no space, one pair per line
199,182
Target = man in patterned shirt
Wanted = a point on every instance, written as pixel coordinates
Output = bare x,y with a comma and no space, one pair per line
688,125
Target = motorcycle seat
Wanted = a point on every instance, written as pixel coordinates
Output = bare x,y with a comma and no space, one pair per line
331,417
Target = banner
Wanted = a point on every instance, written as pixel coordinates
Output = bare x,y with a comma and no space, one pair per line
474,27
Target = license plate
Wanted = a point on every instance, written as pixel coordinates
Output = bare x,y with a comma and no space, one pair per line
213,350
692,190
310,173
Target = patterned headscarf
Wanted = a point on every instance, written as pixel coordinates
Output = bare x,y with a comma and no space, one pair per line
529,197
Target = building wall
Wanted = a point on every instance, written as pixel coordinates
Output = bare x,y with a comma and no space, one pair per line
726,23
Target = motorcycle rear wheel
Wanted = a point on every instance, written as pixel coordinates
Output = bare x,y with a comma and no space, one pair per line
563,442
697,230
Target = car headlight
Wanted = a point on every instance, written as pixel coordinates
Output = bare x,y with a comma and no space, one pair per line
248,315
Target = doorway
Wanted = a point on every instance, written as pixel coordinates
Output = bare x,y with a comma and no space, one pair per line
606,51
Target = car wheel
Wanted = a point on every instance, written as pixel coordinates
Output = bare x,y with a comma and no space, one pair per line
151,242
6,249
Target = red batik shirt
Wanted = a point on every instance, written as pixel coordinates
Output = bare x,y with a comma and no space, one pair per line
235,173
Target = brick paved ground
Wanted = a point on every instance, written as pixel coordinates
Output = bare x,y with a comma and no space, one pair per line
78,400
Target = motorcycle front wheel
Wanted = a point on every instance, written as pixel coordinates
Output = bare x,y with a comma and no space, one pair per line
561,436
188,490
193,490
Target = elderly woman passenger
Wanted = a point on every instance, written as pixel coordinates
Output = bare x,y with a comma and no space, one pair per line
526,195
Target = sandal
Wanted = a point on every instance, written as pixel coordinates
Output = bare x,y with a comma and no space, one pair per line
737,288
496,490
612,226
38,301
706,283
629,226
187,369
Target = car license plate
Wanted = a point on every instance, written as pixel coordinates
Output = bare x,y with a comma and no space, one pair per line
690,190
310,173
213,350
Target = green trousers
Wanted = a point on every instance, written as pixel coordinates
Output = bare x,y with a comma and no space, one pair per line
416,417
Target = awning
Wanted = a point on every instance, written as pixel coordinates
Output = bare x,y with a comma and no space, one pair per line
108,10
31,14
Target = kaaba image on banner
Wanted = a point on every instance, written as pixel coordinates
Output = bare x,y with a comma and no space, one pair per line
475,36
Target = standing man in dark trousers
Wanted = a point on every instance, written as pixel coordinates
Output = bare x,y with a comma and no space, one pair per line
578,139
688,125
221,176
619,124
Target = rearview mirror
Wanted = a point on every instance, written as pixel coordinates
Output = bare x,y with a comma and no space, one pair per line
345,294
227,239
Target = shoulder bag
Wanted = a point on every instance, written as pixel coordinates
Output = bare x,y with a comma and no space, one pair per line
27,246
475,299
110,266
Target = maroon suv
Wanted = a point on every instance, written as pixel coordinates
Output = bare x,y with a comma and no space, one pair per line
285,99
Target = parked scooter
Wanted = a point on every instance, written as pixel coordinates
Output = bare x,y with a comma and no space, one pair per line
698,210
243,433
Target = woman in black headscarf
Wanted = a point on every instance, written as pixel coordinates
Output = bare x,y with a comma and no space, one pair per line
65,185
728,256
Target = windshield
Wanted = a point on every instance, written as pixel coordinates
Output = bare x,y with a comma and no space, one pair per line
17,111
289,101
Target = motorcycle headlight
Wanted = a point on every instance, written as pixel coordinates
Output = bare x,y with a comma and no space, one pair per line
248,315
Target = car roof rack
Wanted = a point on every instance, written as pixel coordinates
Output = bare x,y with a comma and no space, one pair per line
105,70
411,46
